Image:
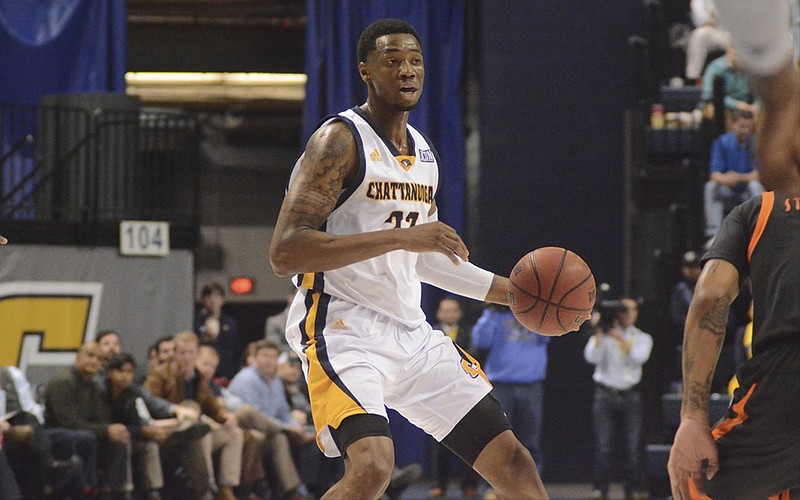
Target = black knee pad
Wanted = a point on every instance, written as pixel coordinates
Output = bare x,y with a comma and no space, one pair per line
479,426
360,426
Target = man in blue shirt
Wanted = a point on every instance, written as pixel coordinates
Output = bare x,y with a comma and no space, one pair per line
734,177
260,386
516,365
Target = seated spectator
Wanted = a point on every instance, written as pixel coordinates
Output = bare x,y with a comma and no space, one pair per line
259,386
180,381
152,363
166,350
151,426
734,176
253,473
27,444
738,95
75,401
109,343
276,450
683,291
218,329
705,38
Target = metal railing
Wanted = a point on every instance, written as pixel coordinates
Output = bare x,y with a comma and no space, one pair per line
72,164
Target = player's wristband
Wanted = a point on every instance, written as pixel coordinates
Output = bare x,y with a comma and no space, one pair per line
759,33
465,279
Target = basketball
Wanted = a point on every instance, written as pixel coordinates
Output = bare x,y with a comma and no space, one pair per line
552,291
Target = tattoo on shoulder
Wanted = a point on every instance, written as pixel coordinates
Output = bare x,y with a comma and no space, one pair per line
326,164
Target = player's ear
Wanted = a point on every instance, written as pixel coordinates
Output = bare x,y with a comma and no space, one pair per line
364,72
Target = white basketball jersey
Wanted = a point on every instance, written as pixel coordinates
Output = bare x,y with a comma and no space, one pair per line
390,190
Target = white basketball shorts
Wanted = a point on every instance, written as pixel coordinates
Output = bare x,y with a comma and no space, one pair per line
359,361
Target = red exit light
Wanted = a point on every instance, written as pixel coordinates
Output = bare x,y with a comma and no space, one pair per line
242,285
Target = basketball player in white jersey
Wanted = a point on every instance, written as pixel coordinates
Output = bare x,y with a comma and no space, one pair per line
359,229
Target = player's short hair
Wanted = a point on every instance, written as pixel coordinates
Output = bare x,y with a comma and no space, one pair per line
366,43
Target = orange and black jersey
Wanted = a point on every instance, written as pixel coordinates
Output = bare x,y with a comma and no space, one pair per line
761,237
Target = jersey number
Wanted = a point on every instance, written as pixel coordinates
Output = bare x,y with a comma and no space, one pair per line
396,218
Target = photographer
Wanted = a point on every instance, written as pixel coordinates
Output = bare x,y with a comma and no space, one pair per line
618,350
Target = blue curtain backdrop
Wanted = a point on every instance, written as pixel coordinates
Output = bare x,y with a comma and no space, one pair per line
334,85
60,46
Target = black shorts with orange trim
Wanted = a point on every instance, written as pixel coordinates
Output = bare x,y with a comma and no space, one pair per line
759,440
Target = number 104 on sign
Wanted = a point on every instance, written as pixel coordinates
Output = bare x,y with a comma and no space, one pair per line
144,238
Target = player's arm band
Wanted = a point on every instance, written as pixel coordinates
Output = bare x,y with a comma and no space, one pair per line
759,32
465,279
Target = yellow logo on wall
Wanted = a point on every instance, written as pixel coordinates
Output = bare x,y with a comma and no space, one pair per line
44,323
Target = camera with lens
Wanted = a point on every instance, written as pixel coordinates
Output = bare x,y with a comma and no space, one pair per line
609,309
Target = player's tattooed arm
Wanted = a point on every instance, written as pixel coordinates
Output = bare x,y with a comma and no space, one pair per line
329,161
705,332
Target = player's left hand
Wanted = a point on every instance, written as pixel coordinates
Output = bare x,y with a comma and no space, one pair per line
693,446
3,240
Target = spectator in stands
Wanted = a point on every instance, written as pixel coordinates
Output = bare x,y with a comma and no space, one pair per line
448,320
151,422
166,350
275,329
618,349
275,447
219,330
253,473
683,291
248,358
110,345
516,365
152,363
26,442
738,94
74,400
180,381
734,176
259,386
705,38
